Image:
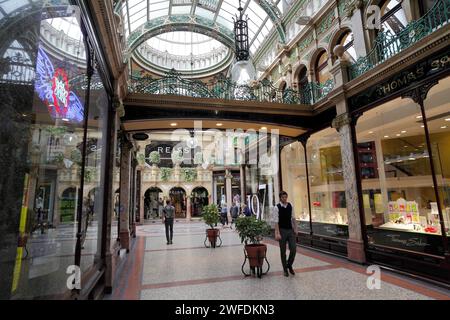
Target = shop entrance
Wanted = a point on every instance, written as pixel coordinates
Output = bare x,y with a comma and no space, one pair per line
178,197
153,203
199,199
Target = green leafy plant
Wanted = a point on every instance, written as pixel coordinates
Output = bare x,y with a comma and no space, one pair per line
58,159
165,174
210,215
251,230
154,157
75,156
189,174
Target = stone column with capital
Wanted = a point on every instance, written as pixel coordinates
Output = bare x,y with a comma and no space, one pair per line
188,208
343,123
228,187
125,189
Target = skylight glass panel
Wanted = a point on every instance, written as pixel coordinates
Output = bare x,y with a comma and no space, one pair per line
159,13
204,13
226,23
138,22
181,9
158,6
138,7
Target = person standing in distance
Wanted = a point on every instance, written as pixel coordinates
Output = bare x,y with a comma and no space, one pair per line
285,232
168,217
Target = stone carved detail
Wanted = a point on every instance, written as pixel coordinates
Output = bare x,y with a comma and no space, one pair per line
341,120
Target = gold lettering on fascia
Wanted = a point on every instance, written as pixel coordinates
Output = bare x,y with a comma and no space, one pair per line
440,63
403,81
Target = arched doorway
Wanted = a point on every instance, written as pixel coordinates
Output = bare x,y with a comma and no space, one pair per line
152,203
178,197
199,199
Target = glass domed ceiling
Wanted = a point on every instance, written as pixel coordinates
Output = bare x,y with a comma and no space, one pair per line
138,12
184,43
184,51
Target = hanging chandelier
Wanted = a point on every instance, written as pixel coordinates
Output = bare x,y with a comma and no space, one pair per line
243,71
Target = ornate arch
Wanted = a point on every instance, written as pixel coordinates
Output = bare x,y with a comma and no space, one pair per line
166,24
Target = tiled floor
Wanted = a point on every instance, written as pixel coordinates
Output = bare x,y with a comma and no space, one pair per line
188,270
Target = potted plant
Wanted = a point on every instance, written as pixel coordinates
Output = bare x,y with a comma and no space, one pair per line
251,231
210,215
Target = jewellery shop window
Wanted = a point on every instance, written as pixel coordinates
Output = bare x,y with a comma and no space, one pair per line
293,170
92,213
328,204
43,88
398,195
437,113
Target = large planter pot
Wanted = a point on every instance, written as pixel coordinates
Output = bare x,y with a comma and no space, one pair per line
213,234
256,254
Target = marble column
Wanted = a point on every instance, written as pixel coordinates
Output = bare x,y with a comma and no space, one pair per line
111,159
133,196
188,208
141,199
228,188
125,189
355,244
242,176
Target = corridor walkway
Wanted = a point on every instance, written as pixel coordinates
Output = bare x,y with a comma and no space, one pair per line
187,270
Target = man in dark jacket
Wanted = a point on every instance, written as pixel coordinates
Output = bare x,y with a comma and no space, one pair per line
168,217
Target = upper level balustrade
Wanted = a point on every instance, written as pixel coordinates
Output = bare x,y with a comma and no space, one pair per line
223,88
388,45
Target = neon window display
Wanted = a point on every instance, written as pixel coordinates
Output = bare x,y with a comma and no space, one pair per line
52,86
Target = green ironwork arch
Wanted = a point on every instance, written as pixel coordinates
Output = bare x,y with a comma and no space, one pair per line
275,15
180,23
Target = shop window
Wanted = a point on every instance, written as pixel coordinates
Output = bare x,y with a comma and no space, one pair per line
328,203
322,69
393,17
397,188
42,133
438,119
293,170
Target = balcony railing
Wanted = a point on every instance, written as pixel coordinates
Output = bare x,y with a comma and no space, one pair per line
387,45
223,88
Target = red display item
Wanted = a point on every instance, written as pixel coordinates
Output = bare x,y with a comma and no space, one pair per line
431,229
60,92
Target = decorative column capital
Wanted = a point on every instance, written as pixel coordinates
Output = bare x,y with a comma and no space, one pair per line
342,120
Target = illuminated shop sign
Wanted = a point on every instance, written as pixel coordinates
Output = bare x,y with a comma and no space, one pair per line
53,89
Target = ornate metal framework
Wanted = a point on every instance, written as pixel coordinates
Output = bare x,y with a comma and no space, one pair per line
241,35
387,45
221,87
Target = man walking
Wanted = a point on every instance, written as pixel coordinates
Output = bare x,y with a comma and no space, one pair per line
168,217
285,232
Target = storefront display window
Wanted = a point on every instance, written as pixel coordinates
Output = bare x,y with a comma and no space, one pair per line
43,87
92,213
294,179
328,204
399,199
42,93
438,119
